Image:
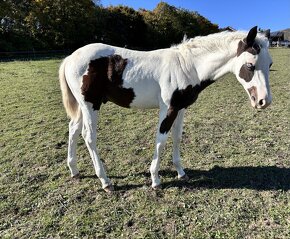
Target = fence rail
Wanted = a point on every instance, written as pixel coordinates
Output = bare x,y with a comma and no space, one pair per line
32,55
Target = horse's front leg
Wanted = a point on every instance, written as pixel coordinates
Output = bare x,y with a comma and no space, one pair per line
161,138
177,128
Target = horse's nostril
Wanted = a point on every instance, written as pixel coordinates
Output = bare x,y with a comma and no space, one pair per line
253,98
262,102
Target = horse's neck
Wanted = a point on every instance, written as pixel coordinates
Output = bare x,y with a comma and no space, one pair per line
213,65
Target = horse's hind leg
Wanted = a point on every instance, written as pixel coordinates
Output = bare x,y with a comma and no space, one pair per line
176,138
75,127
89,134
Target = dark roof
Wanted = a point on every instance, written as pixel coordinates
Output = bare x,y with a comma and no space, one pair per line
277,34
230,29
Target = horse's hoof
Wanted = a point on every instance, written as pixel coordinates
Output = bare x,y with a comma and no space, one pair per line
109,189
157,187
184,178
76,177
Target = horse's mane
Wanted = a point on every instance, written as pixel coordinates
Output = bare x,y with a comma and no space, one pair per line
218,41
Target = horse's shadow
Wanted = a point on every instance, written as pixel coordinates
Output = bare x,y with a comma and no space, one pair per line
256,178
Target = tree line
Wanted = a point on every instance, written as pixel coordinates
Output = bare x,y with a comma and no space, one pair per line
27,25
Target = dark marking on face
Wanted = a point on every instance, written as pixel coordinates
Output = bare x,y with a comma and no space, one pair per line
103,82
248,45
253,93
181,99
252,49
246,73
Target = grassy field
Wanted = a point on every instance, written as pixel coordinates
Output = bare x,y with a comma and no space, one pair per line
238,160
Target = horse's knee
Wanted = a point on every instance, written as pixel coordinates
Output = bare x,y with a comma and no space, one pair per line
161,139
76,123
177,133
71,162
75,129
177,139
87,137
84,133
176,160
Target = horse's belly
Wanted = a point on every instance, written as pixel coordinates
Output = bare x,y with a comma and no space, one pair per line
146,95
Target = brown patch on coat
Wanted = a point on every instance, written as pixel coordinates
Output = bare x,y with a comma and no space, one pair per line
181,99
103,82
253,93
246,73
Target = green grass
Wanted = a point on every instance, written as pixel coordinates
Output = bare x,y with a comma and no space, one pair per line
238,160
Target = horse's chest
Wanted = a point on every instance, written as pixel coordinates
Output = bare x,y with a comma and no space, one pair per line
181,99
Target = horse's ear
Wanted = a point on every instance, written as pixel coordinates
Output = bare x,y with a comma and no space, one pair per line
251,36
267,33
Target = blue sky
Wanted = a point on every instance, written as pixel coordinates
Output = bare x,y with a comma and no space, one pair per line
241,15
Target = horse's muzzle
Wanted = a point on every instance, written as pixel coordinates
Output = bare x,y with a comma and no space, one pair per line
260,103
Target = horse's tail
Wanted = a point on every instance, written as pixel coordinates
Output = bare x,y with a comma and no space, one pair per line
69,101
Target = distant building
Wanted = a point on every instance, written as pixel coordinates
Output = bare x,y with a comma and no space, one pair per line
230,29
277,36
280,38
287,34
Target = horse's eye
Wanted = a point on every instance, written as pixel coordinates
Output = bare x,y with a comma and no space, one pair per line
250,66
257,47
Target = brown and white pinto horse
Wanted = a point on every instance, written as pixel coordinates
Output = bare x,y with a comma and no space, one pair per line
170,79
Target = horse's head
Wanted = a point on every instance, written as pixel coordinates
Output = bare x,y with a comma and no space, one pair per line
252,68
